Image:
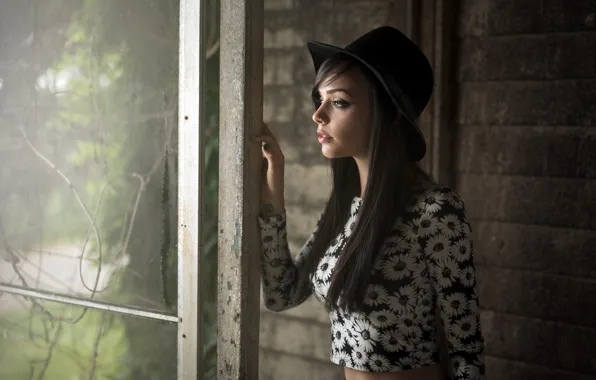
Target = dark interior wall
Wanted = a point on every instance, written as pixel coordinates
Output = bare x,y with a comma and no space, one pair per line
526,164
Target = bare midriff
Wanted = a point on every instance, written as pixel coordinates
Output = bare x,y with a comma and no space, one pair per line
433,372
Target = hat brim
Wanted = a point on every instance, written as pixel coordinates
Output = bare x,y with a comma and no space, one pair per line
320,52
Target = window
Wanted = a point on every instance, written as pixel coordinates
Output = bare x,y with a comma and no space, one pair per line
108,132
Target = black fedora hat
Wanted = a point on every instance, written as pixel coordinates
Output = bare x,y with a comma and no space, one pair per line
400,67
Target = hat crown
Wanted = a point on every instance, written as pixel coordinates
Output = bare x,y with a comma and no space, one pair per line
399,60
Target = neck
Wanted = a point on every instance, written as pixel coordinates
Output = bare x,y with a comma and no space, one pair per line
362,164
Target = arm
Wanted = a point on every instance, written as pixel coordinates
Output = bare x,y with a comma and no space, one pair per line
448,251
280,273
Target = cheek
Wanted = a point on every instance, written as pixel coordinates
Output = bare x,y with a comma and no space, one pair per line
352,137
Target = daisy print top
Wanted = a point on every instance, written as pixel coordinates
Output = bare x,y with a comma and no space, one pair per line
425,267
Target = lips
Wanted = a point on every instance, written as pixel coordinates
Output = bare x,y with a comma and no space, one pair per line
323,137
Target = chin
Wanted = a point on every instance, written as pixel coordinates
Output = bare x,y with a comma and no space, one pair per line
329,152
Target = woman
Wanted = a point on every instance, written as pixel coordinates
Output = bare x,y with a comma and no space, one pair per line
392,249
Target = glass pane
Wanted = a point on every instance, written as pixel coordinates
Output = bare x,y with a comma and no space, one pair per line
51,341
88,133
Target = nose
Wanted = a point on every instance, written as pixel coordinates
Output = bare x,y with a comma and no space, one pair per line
319,116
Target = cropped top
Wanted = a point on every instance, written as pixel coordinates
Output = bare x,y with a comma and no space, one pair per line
425,266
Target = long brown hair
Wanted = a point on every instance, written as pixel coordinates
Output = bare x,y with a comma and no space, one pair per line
391,177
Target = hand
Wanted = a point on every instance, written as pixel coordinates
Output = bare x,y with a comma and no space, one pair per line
272,187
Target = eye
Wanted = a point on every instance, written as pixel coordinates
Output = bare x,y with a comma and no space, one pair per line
339,103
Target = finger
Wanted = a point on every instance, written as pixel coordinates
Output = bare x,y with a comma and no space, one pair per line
268,143
265,139
267,151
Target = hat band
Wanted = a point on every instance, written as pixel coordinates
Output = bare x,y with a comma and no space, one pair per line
398,94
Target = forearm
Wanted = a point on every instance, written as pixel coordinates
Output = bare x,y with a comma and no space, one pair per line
280,272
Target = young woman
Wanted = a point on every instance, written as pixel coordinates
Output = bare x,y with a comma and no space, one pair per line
392,249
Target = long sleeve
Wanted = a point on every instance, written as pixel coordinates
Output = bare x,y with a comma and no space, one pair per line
444,235
279,271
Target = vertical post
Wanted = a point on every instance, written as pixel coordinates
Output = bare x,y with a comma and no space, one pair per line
445,35
437,38
241,115
190,187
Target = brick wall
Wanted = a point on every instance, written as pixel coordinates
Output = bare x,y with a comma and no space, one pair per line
296,344
526,165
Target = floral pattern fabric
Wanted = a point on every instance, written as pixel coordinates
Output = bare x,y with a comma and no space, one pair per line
425,266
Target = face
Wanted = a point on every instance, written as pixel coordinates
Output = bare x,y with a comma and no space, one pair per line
343,116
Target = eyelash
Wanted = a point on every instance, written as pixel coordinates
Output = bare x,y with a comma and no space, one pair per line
337,103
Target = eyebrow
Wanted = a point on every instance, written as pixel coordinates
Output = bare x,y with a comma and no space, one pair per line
334,90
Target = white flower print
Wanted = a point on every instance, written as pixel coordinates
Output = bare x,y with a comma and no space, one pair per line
336,245
379,363
467,277
427,225
325,268
343,359
276,267
447,271
429,325
396,244
419,275
437,247
432,203
455,304
408,231
466,230
423,307
359,359
274,300
459,366
422,357
351,339
461,250
427,346
407,324
382,318
454,201
349,227
403,299
396,267
340,334
450,226
287,277
394,340
375,295
464,327
406,362
366,335
268,238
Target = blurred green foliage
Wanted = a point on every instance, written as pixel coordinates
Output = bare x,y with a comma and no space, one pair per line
94,86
